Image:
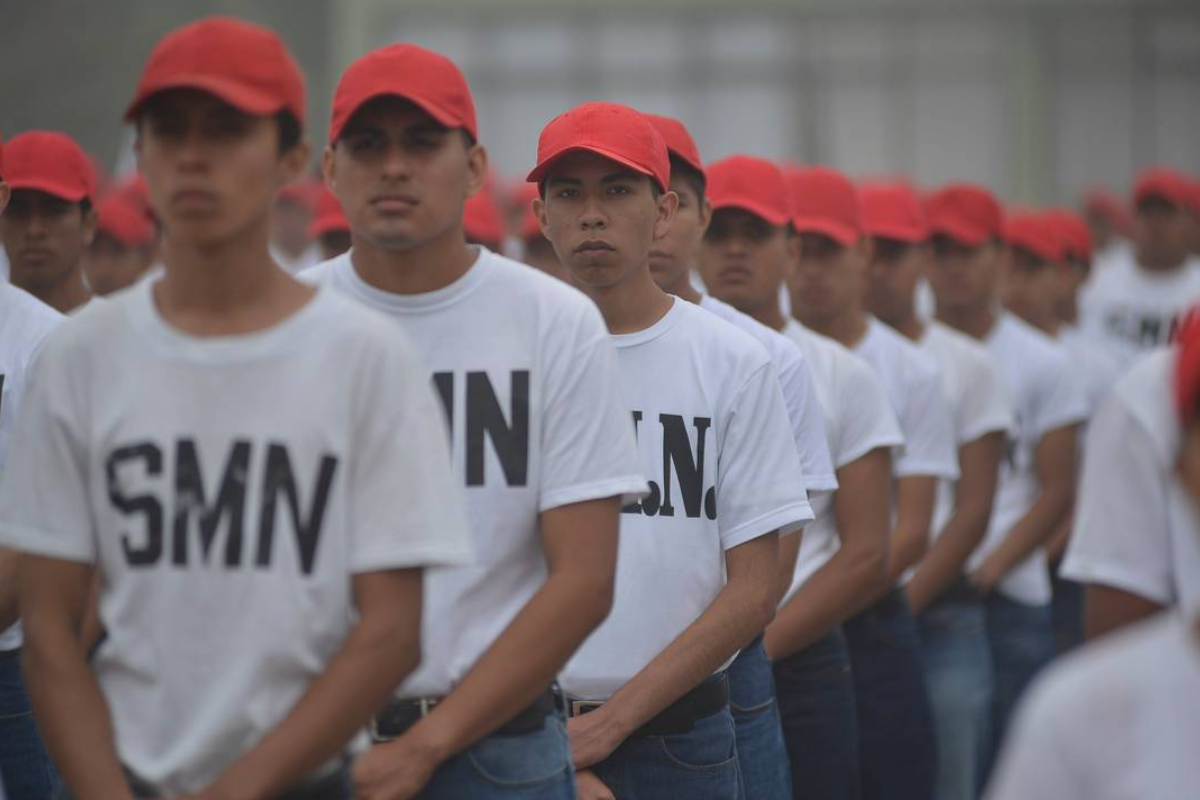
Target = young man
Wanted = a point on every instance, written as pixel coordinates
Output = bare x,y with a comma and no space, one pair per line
747,251
1108,223
762,754
954,645
124,248
25,767
895,723
1136,304
50,221
1120,717
1037,477
260,570
697,565
329,227
540,437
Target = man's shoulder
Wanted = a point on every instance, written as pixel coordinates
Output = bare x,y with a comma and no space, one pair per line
720,337
24,320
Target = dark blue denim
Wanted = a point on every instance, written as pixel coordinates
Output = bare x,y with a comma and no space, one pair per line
25,767
1067,610
897,755
762,756
1022,642
535,766
958,672
815,693
701,764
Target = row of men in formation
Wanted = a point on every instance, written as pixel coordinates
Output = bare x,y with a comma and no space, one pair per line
810,530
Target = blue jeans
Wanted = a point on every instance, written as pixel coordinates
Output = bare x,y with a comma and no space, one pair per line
762,756
701,764
335,786
958,671
1022,642
535,766
815,692
896,743
1067,609
25,767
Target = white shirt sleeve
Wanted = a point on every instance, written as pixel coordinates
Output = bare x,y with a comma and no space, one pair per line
45,506
588,446
808,426
406,508
929,444
866,420
986,407
1062,398
1121,534
760,487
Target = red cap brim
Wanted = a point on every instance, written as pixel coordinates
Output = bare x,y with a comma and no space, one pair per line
898,232
960,233
440,115
235,94
49,187
754,207
539,172
844,235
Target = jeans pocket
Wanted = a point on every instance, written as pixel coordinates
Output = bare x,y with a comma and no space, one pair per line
522,761
709,747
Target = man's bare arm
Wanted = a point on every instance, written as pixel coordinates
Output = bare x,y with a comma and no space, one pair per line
914,516
1107,609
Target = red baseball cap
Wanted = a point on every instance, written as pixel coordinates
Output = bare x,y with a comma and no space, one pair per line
1,158
522,197
427,79
124,221
965,212
751,184
242,64
613,131
1187,367
303,192
1073,231
50,162
328,216
482,220
824,201
1163,184
679,142
132,188
1035,233
893,211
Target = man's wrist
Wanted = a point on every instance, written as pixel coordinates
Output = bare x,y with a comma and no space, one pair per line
433,739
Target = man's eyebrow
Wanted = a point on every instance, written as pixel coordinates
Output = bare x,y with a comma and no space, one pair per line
623,175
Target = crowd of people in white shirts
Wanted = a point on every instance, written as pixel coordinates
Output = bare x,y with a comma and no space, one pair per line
651,477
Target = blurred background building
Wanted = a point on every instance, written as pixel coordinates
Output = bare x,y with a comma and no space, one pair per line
1036,98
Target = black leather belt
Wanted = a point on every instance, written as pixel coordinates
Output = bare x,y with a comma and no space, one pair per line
7,654
681,716
400,715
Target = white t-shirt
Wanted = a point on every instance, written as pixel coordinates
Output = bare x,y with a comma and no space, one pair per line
228,488
1046,396
1116,720
525,365
715,441
24,323
1098,371
858,419
1135,527
916,389
979,402
309,258
799,392
1126,310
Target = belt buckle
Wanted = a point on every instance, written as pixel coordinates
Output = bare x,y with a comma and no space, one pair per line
424,705
581,707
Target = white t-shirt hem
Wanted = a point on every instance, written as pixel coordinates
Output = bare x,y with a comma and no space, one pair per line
629,487
799,513
433,555
35,542
1083,569
932,469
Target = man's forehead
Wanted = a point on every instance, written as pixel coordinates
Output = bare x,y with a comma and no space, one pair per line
584,164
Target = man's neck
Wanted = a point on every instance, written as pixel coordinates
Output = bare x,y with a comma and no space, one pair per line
683,288
907,324
67,295
632,305
230,288
975,322
848,328
1160,267
430,266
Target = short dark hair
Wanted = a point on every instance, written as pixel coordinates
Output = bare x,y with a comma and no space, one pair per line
85,206
693,177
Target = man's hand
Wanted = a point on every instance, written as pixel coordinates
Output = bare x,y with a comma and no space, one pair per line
594,737
987,577
392,771
589,787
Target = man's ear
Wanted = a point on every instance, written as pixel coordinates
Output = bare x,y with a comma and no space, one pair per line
706,215
91,222
539,212
5,193
668,204
295,161
328,169
477,169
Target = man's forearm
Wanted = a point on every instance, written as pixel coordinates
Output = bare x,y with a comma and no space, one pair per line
519,665
378,652
1034,530
948,556
739,613
8,588
71,713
